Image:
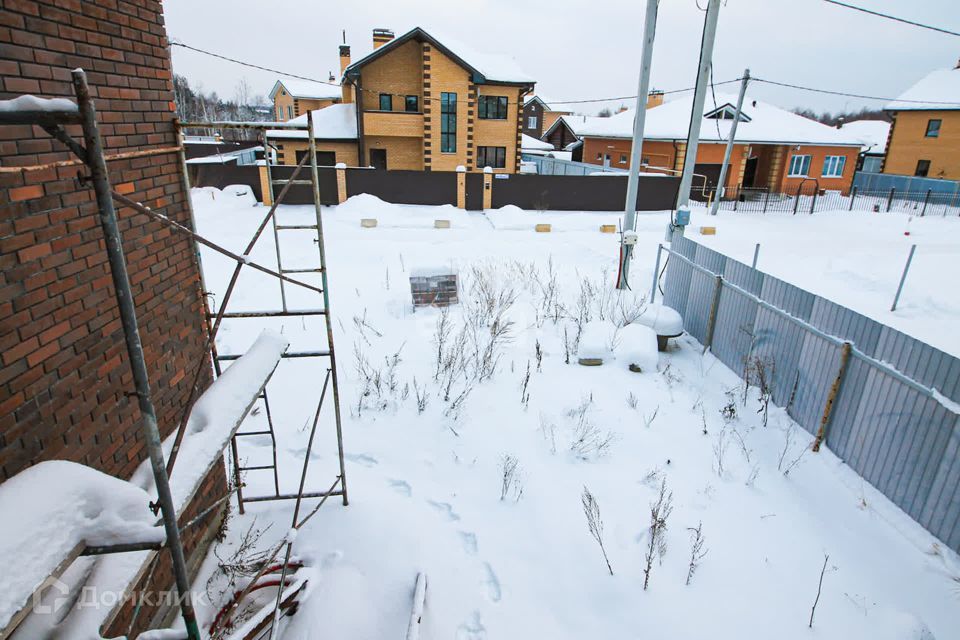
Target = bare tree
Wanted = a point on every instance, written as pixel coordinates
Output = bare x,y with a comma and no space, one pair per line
657,541
594,523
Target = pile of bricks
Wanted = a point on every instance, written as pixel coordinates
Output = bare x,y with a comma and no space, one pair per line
434,290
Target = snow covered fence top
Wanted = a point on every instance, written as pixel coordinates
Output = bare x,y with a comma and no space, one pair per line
33,103
54,509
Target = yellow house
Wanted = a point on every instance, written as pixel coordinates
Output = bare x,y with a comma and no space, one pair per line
925,137
293,97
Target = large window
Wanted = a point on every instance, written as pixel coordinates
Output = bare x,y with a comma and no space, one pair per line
448,122
933,128
495,157
923,168
833,166
386,102
493,108
799,166
411,103
289,111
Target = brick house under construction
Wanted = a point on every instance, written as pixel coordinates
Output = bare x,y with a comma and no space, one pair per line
65,379
419,103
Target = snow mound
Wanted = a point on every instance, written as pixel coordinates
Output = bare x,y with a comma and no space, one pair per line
240,194
400,216
57,505
597,340
637,345
662,319
513,218
900,625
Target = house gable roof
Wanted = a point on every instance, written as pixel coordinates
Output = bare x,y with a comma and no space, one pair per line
483,68
576,125
938,91
336,122
727,112
306,89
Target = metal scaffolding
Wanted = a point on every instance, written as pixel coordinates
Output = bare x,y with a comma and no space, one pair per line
91,154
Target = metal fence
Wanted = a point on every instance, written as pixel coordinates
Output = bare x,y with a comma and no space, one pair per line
884,402
557,167
809,198
868,181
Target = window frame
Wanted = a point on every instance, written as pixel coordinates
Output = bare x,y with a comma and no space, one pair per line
416,104
805,166
532,122
926,169
448,122
499,157
290,112
389,102
836,164
936,132
499,107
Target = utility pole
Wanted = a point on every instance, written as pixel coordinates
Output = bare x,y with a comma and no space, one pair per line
733,134
699,95
636,152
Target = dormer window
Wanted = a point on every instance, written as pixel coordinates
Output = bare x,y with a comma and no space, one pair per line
726,112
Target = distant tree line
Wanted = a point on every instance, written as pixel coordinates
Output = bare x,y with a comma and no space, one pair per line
195,104
833,119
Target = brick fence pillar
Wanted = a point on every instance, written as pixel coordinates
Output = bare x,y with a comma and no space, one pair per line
461,187
487,188
265,185
341,182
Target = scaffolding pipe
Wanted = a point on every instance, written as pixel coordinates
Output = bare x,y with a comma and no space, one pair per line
128,318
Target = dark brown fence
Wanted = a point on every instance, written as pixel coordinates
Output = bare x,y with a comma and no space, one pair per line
303,193
222,175
582,193
404,187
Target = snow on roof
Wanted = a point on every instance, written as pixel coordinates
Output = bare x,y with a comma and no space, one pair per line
579,124
529,142
493,66
872,134
940,86
57,505
551,105
336,122
307,89
768,124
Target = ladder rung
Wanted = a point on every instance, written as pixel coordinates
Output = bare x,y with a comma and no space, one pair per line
257,468
286,227
270,314
293,496
293,354
292,182
316,270
253,433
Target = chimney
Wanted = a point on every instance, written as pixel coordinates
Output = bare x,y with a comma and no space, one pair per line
332,77
381,37
345,89
654,99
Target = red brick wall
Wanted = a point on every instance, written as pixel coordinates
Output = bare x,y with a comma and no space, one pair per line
63,364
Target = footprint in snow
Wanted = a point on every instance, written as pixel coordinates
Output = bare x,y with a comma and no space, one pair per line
492,583
469,541
445,509
361,458
472,629
401,486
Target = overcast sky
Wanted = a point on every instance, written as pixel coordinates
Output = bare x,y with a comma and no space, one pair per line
582,49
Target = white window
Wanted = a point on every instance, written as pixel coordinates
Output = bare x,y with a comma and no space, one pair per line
833,166
799,166
532,122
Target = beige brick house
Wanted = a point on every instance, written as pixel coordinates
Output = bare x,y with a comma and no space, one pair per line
422,104
292,98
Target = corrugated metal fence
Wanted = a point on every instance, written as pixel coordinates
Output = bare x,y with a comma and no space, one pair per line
866,181
891,419
557,167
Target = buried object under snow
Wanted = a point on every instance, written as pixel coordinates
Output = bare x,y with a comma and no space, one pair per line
637,347
596,342
664,320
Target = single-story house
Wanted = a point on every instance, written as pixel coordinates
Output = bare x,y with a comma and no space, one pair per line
335,132
775,149
873,135
568,130
293,97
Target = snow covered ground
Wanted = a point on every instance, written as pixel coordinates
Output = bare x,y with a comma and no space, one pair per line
515,558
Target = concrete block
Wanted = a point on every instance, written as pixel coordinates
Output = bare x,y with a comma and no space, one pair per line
708,231
542,228
608,228
368,223
441,224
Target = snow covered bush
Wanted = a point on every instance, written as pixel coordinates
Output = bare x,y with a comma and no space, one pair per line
638,348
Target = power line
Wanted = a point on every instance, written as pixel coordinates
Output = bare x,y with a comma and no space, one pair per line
895,18
853,95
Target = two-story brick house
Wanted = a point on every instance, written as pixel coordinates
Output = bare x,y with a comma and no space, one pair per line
293,97
925,137
421,104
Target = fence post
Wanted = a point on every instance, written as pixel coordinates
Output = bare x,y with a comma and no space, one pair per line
853,198
890,198
461,187
341,169
832,396
487,188
712,322
756,254
265,189
796,200
813,202
903,278
656,270
766,198
926,199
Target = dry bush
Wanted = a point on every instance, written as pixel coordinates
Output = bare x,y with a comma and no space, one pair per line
511,484
591,509
660,510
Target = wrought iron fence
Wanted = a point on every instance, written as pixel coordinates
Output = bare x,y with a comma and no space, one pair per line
808,198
